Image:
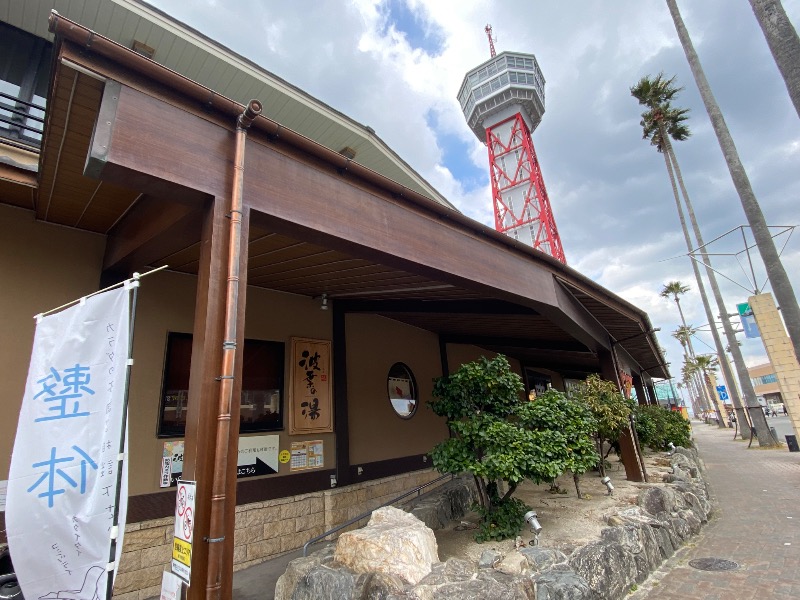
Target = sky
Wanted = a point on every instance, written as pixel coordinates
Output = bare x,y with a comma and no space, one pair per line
397,65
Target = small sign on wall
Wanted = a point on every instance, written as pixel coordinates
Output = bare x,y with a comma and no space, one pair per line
307,455
171,463
311,407
258,455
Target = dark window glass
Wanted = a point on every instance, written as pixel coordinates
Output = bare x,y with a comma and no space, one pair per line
262,386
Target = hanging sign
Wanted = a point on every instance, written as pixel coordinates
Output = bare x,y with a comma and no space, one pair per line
62,482
748,320
310,384
184,530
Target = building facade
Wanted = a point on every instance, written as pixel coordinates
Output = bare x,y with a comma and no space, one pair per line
349,256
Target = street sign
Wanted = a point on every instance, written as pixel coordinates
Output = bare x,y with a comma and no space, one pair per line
722,392
748,320
184,530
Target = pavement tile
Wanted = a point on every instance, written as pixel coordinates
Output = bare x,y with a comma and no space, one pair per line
754,490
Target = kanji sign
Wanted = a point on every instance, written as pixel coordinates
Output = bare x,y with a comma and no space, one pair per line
311,406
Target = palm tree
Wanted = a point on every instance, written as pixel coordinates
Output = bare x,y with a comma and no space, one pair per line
684,335
675,289
783,42
703,364
781,286
660,123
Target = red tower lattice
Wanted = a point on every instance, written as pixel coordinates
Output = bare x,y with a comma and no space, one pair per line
521,205
503,102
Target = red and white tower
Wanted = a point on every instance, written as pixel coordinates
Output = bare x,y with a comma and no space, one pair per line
503,102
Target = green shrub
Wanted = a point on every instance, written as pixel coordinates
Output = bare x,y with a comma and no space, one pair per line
502,521
657,426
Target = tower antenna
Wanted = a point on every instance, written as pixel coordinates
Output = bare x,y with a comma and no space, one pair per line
488,30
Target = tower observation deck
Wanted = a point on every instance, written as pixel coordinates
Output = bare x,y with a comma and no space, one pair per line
503,102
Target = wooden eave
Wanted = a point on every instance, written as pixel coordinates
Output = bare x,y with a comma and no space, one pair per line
319,223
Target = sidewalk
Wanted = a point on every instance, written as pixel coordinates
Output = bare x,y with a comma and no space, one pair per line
756,524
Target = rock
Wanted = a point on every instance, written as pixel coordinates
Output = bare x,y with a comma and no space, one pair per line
512,563
485,584
692,521
540,560
681,528
454,569
393,542
696,507
447,502
377,586
298,569
562,585
657,500
325,582
606,567
489,558
664,541
640,542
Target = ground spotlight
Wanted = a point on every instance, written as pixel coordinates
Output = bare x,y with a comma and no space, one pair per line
606,481
671,447
532,519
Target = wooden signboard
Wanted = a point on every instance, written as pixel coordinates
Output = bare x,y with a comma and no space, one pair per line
311,406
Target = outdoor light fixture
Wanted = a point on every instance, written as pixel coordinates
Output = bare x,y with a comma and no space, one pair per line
532,519
671,448
606,481
324,304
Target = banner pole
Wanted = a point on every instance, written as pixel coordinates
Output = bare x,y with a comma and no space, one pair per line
111,287
121,456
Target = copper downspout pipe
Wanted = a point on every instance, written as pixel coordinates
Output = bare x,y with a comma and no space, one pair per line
216,530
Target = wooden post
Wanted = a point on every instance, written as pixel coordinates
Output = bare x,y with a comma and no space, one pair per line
631,458
201,421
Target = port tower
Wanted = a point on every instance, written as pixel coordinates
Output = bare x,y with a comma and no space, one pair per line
503,102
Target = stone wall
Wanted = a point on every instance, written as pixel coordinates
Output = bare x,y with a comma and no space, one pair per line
263,530
636,541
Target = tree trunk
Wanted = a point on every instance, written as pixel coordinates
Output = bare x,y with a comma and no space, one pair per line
669,160
576,478
781,286
483,497
783,42
730,336
602,463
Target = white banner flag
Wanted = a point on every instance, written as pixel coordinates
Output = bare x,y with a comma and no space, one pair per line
63,477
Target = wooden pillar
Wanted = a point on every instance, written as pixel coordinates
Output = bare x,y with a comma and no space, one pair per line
641,395
203,406
340,407
651,391
629,445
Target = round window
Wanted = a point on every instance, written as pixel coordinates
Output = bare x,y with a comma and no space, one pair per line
402,390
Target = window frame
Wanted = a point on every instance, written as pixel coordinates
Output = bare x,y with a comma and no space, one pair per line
414,390
179,430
